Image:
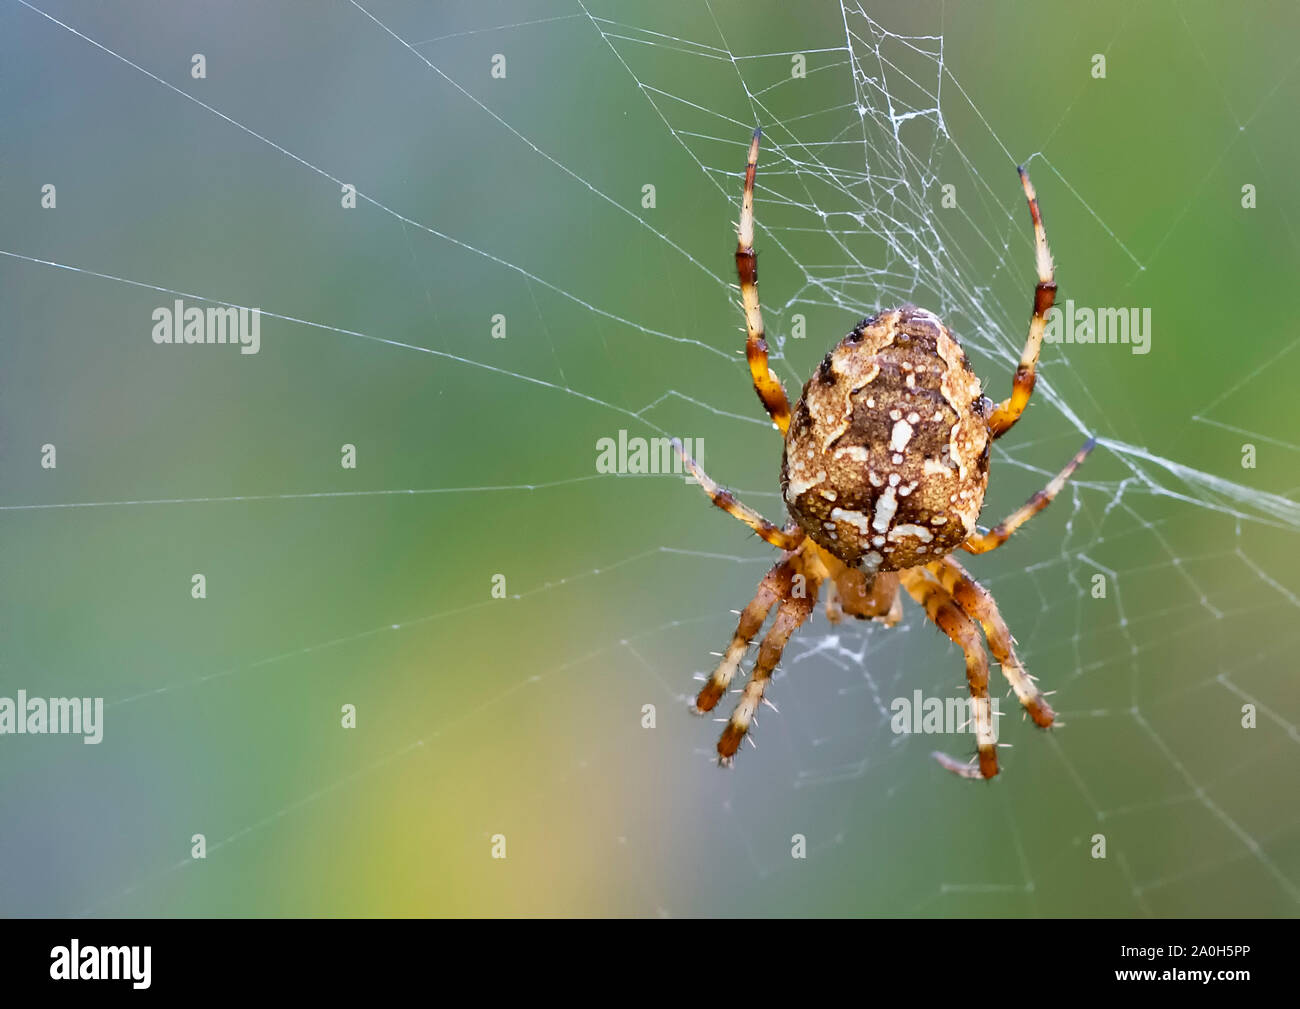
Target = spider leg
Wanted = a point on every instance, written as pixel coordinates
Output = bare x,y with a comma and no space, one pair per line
978,604
776,584
724,499
792,612
770,391
982,543
944,612
1009,410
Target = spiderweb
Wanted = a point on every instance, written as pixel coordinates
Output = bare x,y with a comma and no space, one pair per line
863,150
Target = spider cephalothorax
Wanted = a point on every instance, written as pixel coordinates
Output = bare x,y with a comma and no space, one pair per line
887,455
885,466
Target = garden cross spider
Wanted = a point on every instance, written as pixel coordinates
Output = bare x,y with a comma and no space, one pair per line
884,470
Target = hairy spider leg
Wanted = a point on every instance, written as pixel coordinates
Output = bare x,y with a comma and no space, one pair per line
771,393
1009,410
775,585
982,543
978,604
944,612
780,538
791,613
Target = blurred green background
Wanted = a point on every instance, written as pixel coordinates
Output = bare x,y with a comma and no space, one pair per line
522,197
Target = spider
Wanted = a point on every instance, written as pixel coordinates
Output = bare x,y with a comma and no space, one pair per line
883,472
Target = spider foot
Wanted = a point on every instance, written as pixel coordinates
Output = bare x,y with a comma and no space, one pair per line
983,767
707,699
730,741
1040,711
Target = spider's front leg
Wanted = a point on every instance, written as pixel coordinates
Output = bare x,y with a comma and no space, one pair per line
1022,386
943,610
771,393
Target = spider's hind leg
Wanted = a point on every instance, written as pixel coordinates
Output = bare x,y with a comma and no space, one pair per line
961,630
776,584
978,604
792,612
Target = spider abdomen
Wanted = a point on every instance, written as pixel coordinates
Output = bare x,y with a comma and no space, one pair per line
886,458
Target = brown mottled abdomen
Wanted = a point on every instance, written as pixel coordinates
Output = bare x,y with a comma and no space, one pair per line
886,459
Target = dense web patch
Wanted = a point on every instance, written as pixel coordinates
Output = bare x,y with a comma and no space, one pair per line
850,193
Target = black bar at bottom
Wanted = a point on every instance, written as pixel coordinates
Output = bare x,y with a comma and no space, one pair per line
338,957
